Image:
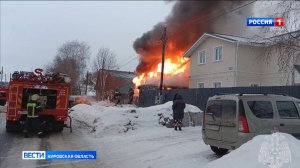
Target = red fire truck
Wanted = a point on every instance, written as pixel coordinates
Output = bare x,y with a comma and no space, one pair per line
53,90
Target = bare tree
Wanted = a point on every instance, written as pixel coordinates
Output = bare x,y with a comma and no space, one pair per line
105,60
284,41
71,59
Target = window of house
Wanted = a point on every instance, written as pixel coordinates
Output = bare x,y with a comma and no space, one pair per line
200,85
217,84
287,109
254,84
202,58
261,109
218,53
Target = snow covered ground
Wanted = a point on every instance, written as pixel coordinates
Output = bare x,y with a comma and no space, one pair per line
131,137
274,151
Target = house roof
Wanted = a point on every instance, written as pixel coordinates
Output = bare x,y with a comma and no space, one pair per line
297,67
242,40
121,74
125,75
228,38
295,35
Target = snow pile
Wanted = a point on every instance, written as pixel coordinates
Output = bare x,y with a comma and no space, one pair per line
165,112
146,143
105,103
155,148
263,151
168,107
85,113
113,119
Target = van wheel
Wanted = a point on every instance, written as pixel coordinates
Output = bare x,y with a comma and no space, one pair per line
219,151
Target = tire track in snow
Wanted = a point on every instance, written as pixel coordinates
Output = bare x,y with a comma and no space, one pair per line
44,146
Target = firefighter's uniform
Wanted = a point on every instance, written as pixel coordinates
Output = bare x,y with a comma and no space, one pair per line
130,93
117,97
32,121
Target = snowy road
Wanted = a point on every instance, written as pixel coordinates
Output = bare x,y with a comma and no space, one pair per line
147,149
148,146
12,145
131,137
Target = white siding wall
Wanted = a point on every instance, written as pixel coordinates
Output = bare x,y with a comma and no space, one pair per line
271,75
213,71
251,68
249,65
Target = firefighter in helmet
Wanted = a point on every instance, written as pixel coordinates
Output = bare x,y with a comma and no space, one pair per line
32,122
130,95
117,96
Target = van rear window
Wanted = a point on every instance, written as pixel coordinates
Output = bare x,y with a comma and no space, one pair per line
287,109
261,109
214,108
229,110
225,109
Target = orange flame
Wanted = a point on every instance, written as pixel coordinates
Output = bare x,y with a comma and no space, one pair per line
175,66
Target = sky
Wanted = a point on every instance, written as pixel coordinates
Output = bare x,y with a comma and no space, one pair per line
32,31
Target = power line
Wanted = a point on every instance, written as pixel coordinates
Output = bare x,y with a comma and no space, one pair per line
213,18
235,9
123,60
132,59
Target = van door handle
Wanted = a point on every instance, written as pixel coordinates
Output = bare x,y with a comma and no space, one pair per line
281,124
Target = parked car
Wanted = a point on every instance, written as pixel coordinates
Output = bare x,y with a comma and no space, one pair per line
232,119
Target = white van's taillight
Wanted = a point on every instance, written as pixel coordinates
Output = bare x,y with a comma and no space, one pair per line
243,124
203,120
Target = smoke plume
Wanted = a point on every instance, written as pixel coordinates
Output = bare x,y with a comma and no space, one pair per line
186,23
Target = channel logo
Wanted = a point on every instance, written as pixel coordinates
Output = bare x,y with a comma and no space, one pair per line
279,22
33,155
265,22
59,155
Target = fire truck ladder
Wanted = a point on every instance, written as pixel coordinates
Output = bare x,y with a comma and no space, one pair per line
13,98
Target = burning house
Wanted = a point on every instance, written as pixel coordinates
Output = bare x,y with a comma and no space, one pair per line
107,81
173,70
184,25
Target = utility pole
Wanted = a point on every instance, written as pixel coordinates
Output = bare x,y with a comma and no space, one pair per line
164,41
2,74
86,82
